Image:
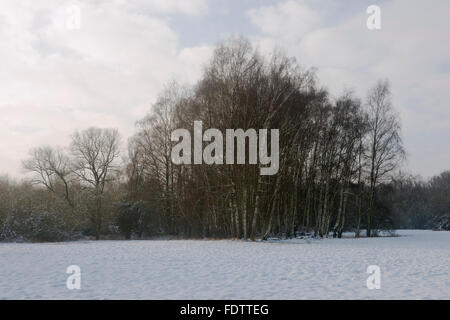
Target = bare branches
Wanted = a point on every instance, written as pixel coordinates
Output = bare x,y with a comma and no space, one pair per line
94,151
385,149
51,167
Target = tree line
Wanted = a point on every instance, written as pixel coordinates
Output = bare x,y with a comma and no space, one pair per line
337,157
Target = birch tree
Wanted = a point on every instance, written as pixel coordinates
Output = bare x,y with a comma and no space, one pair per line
385,146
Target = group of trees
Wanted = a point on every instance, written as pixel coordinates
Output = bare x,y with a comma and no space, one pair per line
333,153
415,203
336,157
71,191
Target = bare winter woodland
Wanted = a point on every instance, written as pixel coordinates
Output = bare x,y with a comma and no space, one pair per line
339,162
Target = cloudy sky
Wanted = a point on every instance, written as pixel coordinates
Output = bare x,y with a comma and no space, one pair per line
57,75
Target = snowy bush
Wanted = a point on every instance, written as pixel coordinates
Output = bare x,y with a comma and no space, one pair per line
441,222
36,226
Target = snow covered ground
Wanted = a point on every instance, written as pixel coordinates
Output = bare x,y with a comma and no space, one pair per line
413,266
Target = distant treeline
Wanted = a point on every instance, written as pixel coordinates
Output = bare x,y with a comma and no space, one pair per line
338,159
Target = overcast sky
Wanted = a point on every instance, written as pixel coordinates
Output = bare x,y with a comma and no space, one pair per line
56,77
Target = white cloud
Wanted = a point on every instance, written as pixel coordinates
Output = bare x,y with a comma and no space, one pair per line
186,7
54,80
411,50
290,19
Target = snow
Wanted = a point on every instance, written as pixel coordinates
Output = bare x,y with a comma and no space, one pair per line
415,265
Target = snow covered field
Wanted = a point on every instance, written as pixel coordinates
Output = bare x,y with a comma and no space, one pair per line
413,266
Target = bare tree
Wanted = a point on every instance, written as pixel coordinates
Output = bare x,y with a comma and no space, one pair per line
51,167
385,147
95,151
